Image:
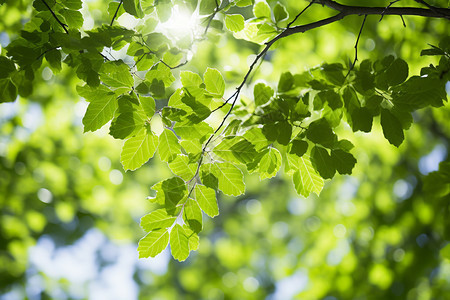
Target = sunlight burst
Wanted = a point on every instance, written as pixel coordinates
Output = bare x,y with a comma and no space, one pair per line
181,24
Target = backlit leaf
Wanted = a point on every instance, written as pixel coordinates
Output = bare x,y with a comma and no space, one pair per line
169,146
153,243
138,150
156,220
179,244
206,198
214,82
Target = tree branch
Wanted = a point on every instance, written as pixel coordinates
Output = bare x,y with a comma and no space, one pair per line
56,18
344,10
297,16
115,14
399,11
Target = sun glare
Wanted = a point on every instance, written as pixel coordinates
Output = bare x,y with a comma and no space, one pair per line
181,23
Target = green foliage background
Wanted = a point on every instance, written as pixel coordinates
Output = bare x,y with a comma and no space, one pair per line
380,233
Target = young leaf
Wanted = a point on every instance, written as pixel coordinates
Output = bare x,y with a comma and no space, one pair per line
168,145
189,78
206,198
148,104
100,111
138,150
279,12
392,128
270,163
179,244
231,179
234,23
262,94
116,74
158,219
192,238
306,179
214,82
261,9
169,193
193,215
180,166
153,243
133,7
235,149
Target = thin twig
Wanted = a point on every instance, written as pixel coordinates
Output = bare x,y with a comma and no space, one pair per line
211,17
390,4
356,47
56,18
297,16
115,14
344,10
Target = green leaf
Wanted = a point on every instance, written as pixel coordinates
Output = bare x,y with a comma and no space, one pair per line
179,244
169,193
207,7
322,162
148,104
199,132
332,98
284,132
214,82
257,138
270,163
320,132
100,111
8,91
126,124
418,92
231,179
74,18
180,166
6,67
392,128
189,78
206,198
133,7
169,146
158,219
234,23
397,72
192,215
343,161
261,9
138,150
306,179
361,120
54,60
279,12
298,147
153,243
116,74
192,238
286,82
73,4
262,94
235,149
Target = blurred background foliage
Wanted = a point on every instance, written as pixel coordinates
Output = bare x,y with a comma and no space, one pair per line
69,215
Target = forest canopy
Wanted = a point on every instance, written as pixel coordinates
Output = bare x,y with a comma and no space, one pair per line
261,142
